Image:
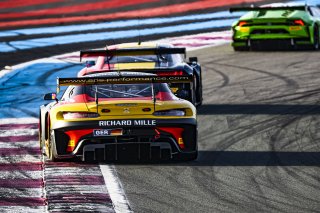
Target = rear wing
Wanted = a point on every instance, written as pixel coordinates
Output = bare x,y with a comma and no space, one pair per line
158,71
132,52
248,9
136,79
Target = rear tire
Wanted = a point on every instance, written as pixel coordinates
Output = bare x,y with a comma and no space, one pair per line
242,48
194,89
187,156
316,38
52,149
40,134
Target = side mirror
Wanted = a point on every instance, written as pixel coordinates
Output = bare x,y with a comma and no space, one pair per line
193,59
183,94
90,63
50,97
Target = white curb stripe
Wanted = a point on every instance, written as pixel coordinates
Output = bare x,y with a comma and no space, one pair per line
18,120
115,189
18,132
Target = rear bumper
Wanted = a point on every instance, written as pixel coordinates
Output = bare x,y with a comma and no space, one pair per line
271,43
136,143
272,35
272,32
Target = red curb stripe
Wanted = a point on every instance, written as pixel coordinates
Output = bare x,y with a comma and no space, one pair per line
21,138
78,180
18,126
24,3
160,11
19,151
22,201
95,198
21,183
22,166
76,8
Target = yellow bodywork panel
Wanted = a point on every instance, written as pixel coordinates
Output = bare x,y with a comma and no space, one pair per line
136,45
139,65
124,109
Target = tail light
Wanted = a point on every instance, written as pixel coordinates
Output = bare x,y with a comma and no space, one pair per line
298,22
74,137
242,23
176,132
169,73
75,115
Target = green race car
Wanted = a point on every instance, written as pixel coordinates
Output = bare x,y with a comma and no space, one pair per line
276,27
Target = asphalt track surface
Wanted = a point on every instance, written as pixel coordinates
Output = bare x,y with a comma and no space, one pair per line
258,140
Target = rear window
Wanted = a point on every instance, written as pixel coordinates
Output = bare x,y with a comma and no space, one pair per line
135,91
161,60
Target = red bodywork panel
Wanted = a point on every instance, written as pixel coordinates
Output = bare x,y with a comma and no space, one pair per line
100,66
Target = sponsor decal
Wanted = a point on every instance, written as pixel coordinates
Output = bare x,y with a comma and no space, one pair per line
122,80
101,132
137,122
107,132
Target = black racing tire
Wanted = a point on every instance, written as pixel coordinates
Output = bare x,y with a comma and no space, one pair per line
186,156
197,90
194,89
192,157
242,48
40,133
52,147
315,45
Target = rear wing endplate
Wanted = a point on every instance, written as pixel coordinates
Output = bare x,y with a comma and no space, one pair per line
248,9
139,79
132,52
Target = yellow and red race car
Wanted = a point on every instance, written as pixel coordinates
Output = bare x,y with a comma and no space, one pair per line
160,59
114,116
